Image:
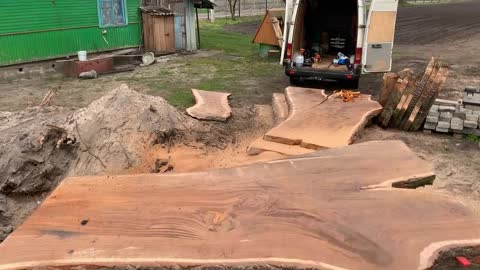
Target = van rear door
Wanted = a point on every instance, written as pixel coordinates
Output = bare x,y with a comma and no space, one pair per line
291,8
379,36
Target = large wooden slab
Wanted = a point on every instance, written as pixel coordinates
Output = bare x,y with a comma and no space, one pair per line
317,123
325,210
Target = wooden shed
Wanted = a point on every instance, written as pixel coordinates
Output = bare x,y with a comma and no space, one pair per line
158,30
270,33
271,30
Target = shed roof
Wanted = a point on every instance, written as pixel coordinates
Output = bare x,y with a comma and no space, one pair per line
157,10
204,4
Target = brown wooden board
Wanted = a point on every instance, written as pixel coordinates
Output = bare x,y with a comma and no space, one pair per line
169,34
417,93
389,81
317,123
427,104
406,98
277,30
260,145
333,209
382,27
424,98
409,94
147,32
159,33
210,105
280,108
392,102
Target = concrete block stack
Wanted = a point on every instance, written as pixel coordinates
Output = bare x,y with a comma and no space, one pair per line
453,116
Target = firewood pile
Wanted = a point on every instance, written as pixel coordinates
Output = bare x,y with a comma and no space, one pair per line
407,99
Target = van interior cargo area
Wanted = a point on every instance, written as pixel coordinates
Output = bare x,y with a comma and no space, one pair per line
326,27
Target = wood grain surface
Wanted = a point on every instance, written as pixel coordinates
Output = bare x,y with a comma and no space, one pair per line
332,209
260,145
210,105
317,123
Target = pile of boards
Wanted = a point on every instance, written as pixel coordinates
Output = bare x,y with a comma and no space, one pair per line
407,99
309,119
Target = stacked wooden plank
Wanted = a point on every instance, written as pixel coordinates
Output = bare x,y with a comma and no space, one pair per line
315,121
408,103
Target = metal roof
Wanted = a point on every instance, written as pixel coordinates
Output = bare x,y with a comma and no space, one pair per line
157,10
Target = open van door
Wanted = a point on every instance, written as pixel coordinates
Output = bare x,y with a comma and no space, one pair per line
379,36
291,7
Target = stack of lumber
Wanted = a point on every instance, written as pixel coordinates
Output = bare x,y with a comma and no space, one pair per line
332,209
315,121
407,99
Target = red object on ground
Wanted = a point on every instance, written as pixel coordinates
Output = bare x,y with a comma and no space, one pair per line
463,261
74,68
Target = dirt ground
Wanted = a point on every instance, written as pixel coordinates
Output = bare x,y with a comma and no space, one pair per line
447,31
447,261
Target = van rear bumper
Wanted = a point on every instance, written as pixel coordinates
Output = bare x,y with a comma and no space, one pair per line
322,74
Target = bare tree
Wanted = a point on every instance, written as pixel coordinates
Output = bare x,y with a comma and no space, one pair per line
232,6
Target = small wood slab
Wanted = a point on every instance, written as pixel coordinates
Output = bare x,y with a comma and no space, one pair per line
332,209
317,123
260,145
210,106
280,107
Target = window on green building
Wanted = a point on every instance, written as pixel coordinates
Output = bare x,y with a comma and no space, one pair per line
112,13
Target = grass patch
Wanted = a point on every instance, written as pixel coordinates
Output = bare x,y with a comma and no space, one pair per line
472,138
236,69
216,38
181,98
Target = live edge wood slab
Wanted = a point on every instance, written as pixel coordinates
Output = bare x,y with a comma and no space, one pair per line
317,123
210,106
333,209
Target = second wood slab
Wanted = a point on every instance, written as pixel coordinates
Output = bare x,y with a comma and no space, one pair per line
317,123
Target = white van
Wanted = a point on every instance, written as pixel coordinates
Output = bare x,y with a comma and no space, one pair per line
325,28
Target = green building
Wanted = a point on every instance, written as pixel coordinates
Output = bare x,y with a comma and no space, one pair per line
33,30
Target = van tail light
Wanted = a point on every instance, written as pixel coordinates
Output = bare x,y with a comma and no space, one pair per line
289,51
358,56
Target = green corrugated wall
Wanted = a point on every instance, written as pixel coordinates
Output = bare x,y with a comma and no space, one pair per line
41,29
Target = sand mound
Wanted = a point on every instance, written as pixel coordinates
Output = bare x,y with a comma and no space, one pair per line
114,130
39,146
